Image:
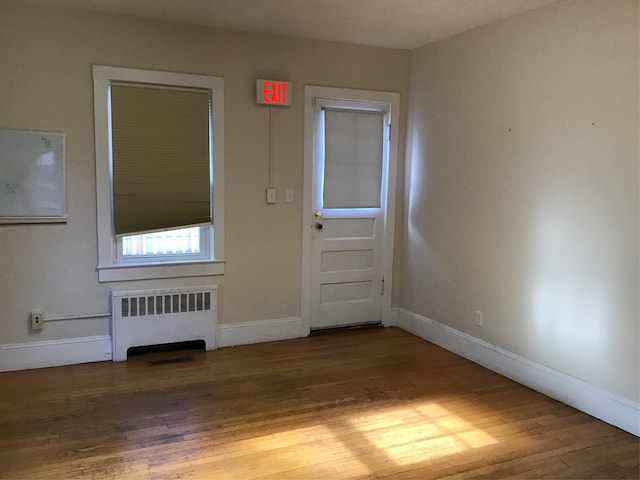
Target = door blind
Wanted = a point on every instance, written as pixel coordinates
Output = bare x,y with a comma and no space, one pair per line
353,158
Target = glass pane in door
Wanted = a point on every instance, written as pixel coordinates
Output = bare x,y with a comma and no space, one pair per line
353,158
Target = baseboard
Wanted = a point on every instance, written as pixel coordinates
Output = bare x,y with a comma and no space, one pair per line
53,353
595,401
390,317
260,331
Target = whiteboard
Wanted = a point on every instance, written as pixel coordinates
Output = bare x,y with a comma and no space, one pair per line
32,177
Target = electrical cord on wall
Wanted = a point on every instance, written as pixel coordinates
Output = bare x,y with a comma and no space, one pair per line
270,144
75,317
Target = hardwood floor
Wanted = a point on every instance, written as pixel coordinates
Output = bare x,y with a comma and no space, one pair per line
359,404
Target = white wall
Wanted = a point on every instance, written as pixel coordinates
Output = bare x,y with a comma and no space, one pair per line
522,188
46,55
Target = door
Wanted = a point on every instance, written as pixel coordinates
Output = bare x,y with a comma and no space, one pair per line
347,213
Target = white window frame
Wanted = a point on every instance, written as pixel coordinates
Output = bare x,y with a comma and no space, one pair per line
111,267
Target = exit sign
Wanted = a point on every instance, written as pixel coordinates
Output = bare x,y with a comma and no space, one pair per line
274,92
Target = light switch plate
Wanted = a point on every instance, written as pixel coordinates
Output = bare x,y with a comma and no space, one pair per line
288,195
271,196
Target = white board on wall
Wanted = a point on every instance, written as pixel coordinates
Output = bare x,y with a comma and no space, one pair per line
32,177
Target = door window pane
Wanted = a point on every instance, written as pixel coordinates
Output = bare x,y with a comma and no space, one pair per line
353,158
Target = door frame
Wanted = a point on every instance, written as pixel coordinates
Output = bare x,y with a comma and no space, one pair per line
393,100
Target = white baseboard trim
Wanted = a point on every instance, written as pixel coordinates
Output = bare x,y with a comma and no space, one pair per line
390,317
53,353
260,331
595,401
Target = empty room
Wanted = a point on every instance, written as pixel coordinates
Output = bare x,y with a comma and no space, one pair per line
251,239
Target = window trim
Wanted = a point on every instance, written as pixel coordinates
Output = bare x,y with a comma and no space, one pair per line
108,267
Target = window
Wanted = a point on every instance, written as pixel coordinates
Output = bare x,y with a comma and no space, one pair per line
182,243
159,173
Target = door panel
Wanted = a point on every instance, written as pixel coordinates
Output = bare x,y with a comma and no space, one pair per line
346,260
345,292
347,227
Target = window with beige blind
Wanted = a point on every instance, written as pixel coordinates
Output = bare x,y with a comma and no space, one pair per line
159,172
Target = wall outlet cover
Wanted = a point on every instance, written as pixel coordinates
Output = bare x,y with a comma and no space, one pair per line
37,320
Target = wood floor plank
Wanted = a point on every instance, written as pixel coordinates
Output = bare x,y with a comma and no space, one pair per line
377,403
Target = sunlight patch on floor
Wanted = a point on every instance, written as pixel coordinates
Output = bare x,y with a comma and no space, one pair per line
420,432
291,451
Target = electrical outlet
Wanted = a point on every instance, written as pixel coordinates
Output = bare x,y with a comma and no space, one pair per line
37,320
478,318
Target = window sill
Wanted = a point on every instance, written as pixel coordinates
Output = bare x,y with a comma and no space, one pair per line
145,271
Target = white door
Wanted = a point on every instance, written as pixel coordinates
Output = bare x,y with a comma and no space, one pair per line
347,212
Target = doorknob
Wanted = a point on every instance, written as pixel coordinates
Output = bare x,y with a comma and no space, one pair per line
318,226
317,214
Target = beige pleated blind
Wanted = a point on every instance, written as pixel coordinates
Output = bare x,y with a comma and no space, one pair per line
161,157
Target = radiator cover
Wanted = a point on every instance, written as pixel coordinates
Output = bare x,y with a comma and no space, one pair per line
153,317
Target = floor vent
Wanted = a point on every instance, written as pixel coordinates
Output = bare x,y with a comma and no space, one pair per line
166,347
165,316
165,361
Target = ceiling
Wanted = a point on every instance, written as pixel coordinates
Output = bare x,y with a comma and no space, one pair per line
387,23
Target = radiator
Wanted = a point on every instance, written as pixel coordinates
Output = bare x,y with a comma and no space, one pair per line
154,317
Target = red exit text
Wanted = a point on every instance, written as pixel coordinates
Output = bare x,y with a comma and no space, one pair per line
273,92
